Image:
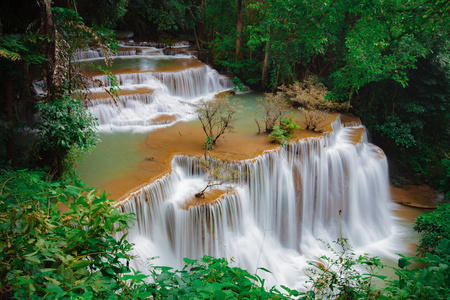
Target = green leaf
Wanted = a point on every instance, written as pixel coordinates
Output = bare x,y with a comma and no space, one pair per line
265,270
80,264
403,262
32,260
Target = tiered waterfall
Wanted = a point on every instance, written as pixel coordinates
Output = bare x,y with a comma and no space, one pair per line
287,199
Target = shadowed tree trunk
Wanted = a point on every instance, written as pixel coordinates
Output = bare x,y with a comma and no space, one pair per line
265,68
7,88
48,31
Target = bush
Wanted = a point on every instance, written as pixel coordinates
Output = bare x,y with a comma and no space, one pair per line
65,129
314,118
274,108
311,94
283,133
445,181
431,281
218,172
341,277
434,227
216,117
209,278
58,241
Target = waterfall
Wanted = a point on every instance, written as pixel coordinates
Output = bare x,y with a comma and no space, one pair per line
90,54
285,200
170,90
187,84
191,83
147,111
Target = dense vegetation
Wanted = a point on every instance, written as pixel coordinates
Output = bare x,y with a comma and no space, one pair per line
388,59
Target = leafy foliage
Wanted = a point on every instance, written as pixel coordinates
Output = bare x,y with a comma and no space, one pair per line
398,131
340,277
58,241
153,17
282,134
428,282
209,278
411,124
103,12
15,47
311,94
65,127
445,181
434,228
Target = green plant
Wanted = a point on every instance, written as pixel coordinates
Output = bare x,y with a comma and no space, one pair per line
429,281
434,228
341,277
401,133
283,133
64,127
312,95
445,181
58,242
238,85
209,278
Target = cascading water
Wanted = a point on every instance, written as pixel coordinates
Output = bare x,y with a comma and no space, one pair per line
286,199
123,51
166,96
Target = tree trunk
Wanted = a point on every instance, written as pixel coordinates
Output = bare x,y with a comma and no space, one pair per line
7,86
265,69
239,31
48,31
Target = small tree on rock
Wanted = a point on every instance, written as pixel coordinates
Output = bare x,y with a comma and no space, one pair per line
274,107
310,95
217,117
314,118
218,172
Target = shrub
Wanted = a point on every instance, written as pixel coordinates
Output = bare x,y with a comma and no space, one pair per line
65,127
283,133
431,281
61,254
210,278
217,116
314,118
341,277
274,108
311,94
218,172
434,227
445,181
